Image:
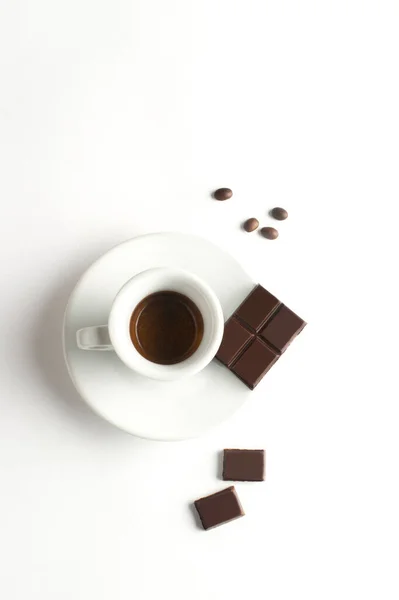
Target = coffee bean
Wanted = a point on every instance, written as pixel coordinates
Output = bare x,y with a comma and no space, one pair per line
269,232
251,225
223,194
280,214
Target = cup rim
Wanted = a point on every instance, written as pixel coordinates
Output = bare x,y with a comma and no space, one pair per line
120,336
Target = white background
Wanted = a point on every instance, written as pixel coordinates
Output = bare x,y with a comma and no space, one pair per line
119,118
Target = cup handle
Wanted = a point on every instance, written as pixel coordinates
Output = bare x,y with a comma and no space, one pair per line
94,338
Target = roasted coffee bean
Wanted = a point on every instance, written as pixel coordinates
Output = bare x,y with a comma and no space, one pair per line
280,214
251,224
223,194
269,232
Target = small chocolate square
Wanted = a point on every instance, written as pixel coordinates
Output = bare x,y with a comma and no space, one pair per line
254,363
219,508
235,338
243,465
282,328
257,307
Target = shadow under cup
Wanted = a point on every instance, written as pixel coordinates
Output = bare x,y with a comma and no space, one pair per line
166,327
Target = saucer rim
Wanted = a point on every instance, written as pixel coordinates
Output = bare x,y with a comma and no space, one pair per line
78,387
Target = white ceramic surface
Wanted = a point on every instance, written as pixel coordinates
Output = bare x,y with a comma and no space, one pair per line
128,297
118,119
171,410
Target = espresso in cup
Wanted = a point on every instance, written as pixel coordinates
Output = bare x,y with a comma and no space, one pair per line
164,323
166,327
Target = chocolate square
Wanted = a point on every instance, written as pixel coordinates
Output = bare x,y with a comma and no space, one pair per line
256,335
243,465
257,307
235,338
219,508
254,363
282,328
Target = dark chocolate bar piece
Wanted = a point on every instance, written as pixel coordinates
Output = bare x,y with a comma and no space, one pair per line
256,335
219,508
243,465
282,329
235,338
254,363
256,308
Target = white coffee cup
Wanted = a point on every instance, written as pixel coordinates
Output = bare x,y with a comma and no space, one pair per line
116,335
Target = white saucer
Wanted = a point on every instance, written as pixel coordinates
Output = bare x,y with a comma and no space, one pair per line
144,407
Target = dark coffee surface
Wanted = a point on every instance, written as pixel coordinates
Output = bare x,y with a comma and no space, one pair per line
166,327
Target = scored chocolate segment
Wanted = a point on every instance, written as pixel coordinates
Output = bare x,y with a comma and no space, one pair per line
219,508
282,328
235,338
257,307
254,363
